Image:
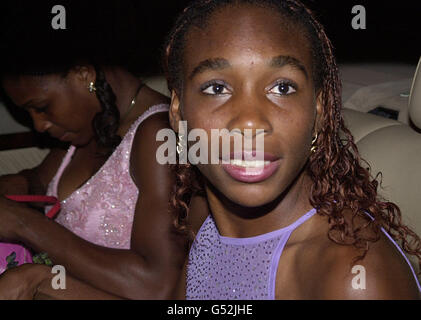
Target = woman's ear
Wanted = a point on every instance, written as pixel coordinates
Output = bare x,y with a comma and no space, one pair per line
84,73
175,111
319,113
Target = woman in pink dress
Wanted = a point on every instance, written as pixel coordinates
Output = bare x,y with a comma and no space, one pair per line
115,230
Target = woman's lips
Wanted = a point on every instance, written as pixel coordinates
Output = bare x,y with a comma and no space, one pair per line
245,169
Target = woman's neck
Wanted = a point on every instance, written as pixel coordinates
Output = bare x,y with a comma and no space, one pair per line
124,85
236,221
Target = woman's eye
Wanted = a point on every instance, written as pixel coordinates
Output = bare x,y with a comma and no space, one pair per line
215,89
283,88
40,109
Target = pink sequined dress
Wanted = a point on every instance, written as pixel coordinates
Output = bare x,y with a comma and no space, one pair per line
102,210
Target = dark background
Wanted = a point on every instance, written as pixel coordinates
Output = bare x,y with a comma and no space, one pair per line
132,32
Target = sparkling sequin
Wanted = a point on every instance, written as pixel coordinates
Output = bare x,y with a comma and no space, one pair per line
102,210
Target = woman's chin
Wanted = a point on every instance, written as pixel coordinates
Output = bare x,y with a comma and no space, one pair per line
252,197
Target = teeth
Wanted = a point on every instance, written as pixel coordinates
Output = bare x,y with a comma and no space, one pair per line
249,164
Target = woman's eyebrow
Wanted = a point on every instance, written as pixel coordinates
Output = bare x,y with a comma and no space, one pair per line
221,63
31,103
210,64
27,104
281,61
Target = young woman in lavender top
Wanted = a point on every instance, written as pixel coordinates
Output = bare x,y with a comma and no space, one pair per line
302,227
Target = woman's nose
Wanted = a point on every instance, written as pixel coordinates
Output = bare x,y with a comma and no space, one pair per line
250,114
41,124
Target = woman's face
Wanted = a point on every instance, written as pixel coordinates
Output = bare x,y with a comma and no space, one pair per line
250,69
61,106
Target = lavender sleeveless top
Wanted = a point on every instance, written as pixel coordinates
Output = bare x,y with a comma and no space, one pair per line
102,210
224,268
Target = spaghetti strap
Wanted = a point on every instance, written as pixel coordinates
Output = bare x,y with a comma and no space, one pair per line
401,252
405,257
66,160
269,235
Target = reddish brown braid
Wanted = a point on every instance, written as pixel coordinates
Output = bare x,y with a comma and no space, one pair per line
339,180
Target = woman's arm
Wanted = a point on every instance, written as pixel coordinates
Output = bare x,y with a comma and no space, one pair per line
150,269
34,281
74,290
35,180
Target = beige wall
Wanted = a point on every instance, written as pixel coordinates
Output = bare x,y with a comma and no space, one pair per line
8,124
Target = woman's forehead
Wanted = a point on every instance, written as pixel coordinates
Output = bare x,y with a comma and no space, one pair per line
26,84
246,28
19,87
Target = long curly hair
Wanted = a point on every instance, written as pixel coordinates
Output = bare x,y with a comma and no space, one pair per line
339,181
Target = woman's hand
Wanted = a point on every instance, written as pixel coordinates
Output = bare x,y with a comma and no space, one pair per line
10,217
21,283
13,216
13,184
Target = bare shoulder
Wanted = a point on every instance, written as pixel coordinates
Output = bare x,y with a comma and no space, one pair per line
150,97
147,99
382,274
145,144
151,125
147,130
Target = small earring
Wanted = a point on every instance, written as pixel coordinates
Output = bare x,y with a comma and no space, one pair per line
91,87
313,142
180,147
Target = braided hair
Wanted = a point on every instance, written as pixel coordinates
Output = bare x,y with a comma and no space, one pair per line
105,123
338,179
30,46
